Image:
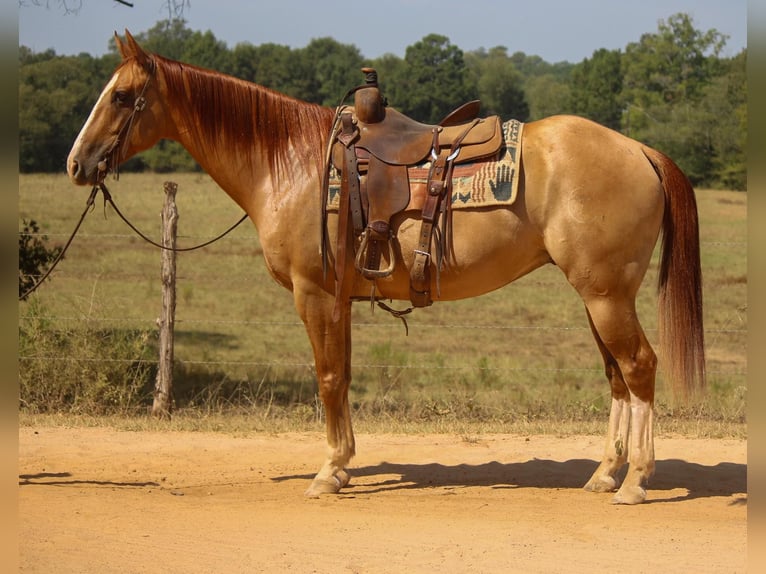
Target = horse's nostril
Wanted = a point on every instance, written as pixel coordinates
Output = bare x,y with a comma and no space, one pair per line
76,172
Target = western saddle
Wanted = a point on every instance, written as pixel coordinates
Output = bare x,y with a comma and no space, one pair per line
373,146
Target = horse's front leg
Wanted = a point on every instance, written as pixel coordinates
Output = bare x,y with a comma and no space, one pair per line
331,342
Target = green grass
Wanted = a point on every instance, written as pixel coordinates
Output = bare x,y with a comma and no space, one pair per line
520,357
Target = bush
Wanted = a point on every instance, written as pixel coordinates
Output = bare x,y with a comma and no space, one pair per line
86,370
33,256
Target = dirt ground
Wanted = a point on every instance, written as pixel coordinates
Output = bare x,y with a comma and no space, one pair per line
97,500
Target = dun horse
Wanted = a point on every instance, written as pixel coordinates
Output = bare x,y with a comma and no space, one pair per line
591,201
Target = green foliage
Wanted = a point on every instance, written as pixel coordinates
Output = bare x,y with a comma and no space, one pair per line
56,95
85,370
546,86
596,87
34,256
271,65
725,101
547,96
500,86
331,69
671,66
434,80
681,98
391,71
670,89
167,157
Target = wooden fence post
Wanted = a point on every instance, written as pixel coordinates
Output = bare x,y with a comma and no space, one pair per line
163,387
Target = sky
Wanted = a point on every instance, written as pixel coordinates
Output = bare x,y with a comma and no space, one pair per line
555,30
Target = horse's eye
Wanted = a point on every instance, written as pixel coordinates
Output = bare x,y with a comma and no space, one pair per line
120,97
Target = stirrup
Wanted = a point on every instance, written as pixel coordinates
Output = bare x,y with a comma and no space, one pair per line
374,273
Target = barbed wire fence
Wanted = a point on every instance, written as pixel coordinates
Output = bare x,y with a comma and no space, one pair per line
228,337
150,321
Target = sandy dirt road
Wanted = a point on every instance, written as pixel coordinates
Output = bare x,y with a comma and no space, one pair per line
98,500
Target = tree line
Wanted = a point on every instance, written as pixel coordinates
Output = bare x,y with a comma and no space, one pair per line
671,89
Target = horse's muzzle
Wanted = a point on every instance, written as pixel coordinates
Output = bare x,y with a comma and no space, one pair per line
76,172
84,173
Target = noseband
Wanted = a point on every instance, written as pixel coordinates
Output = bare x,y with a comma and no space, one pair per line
116,153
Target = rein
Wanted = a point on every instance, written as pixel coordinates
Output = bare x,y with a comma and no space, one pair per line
116,155
89,204
88,207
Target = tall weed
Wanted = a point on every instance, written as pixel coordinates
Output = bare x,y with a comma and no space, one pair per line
84,370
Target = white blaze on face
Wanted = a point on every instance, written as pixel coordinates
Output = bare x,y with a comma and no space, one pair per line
104,94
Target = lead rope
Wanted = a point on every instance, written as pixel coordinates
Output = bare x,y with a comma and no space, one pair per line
88,207
108,198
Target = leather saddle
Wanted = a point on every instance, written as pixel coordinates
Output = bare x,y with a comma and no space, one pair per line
373,146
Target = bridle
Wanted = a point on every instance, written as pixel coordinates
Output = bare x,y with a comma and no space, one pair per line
116,153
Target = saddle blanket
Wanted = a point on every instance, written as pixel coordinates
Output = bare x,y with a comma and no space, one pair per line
492,182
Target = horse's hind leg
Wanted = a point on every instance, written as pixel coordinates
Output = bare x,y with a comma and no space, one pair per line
615,451
631,366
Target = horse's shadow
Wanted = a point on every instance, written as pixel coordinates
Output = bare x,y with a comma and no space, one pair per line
66,479
724,479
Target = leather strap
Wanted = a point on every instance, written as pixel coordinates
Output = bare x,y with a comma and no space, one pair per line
348,135
378,237
420,276
350,207
439,187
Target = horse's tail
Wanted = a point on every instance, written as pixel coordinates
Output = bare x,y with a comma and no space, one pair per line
682,339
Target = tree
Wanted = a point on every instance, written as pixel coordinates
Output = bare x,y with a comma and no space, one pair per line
546,86
596,86
672,65
169,38
267,64
205,50
435,80
499,84
665,78
392,71
547,96
57,94
333,69
534,66
671,90
725,107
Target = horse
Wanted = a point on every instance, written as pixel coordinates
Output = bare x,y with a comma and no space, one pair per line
591,201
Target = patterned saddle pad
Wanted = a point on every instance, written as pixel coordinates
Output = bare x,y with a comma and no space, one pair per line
493,182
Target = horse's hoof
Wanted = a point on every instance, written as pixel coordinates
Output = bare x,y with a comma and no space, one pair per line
601,484
330,485
630,495
343,478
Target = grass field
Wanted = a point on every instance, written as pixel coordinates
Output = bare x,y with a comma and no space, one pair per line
521,355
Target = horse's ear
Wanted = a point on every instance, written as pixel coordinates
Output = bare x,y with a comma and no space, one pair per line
133,49
120,46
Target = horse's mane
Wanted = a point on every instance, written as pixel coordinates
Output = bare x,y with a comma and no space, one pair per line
239,115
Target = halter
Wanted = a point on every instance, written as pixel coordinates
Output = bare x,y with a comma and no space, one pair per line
115,154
